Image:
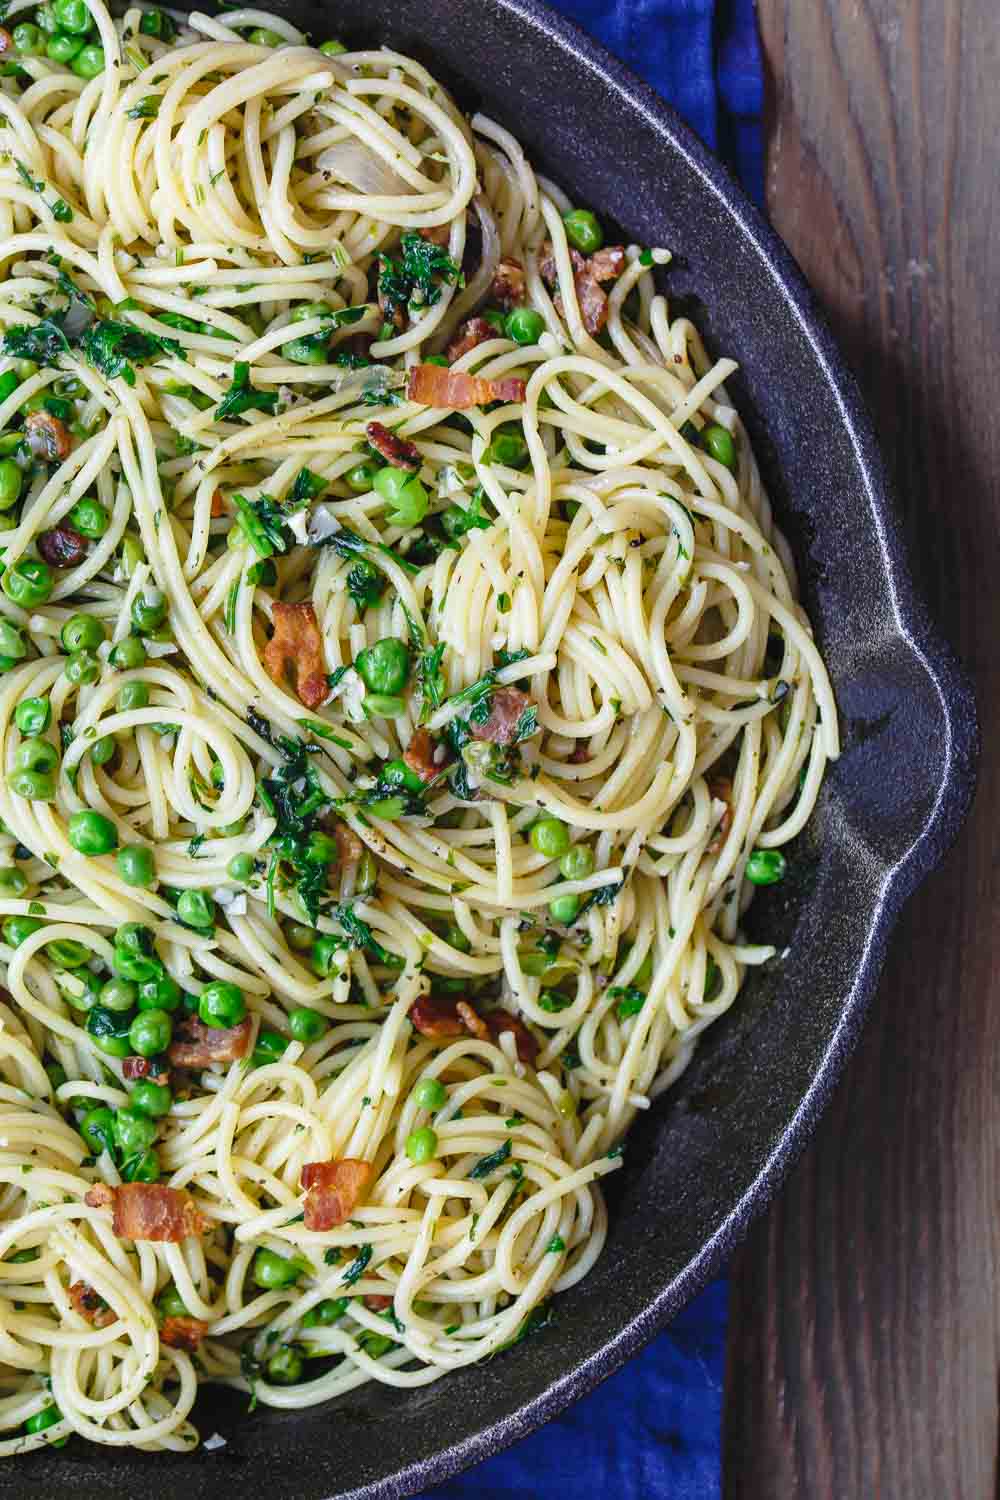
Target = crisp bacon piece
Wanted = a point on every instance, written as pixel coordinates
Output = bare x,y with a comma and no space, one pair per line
607,264
720,788
473,1021
349,846
62,547
91,1305
508,286
6,40
433,385
296,649
469,336
144,1067
438,234
376,1302
196,1045
218,509
499,1021
149,1211
588,274
437,1016
333,1189
506,707
48,437
397,451
183,1333
419,756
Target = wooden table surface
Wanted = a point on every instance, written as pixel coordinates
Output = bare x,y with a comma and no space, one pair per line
865,1343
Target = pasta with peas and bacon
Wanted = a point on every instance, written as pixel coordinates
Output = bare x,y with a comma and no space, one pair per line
403,690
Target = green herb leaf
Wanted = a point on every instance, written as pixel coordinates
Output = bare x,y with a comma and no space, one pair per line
487,1164
242,396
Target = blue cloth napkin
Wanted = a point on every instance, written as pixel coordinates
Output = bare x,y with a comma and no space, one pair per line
652,1432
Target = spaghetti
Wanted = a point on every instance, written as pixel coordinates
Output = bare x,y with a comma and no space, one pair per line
404,689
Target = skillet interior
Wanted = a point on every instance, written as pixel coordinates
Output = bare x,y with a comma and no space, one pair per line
713,1152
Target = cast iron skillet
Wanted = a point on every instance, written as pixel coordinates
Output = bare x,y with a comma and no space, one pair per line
713,1153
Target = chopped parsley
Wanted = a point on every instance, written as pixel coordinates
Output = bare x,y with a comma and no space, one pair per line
115,348
356,1269
361,936
43,343
414,281
487,1164
242,396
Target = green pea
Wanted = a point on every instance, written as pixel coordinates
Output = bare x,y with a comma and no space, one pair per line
170,1302
90,518
56,1075
310,350
583,231
507,448
360,479
262,37
134,968
29,40
136,865
151,1032
430,1093
161,993
42,1420
63,47
390,482
88,63
13,646
92,833
158,23
271,1271
269,1048
384,706
33,786
72,15
119,994
332,48
196,909
149,610
133,1131
149,1098
109,1030
321,849
221,1005
13,882
299,936
396,773
33,715
285,1366
577,863
718,442
46,18
10,483
82,633
564,909
524,325
326,1312
550,837
8,385
17,930
102,750
766,867
97,1128
421,1145
135,937
241,867
384,667
128,654
133,695
28,582
67,953
36,754
410,505
307,1025
82,667
456,938
324,956
142,1168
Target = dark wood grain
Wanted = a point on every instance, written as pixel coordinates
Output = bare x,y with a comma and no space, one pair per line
865,1338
